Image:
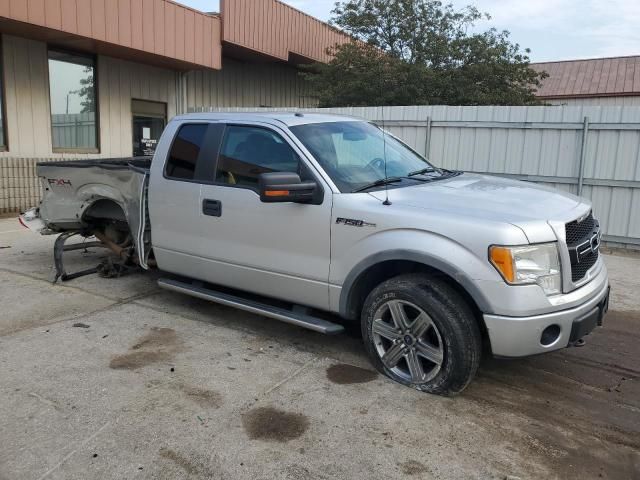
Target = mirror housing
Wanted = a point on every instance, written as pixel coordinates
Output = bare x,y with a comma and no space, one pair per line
280,187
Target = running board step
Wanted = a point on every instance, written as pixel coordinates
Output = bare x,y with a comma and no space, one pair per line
300,319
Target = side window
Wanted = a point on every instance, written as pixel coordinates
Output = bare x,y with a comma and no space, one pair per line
248,152
183,156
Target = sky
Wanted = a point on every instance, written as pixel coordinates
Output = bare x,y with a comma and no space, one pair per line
552,29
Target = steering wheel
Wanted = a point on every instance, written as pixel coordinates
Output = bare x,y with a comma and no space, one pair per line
376,164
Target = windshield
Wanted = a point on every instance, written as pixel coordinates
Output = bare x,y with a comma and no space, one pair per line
353,153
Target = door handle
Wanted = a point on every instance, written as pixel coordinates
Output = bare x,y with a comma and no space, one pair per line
212,208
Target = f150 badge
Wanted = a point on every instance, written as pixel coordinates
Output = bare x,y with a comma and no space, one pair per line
352,222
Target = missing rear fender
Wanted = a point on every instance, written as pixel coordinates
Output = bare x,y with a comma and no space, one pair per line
105,211
115,232
106,220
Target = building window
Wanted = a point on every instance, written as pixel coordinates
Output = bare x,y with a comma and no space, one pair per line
72,89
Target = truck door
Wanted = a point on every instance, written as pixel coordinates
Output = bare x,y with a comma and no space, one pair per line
186,158
280,250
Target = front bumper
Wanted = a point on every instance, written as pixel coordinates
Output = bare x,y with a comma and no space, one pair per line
522,336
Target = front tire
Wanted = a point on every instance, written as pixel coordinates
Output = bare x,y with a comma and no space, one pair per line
421,332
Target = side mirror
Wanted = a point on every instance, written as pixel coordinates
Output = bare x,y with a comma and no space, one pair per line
278,187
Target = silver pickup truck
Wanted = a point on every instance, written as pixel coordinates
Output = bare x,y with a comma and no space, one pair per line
320,220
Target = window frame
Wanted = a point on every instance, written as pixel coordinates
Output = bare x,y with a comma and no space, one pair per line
210,143
216,145
3,103
96,88
284,138
338,188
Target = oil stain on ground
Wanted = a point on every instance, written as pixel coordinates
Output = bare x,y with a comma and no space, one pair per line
159,345
344,374
191,466
413,467
203,397
271,424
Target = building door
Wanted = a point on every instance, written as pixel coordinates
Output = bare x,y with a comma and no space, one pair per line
149,120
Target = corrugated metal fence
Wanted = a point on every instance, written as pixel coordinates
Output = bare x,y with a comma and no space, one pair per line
74,130
592,151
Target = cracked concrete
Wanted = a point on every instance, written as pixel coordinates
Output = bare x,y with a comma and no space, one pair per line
218,393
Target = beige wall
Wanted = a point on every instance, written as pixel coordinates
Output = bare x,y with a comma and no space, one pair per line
28,116
625,101
27,100
241,84
119,81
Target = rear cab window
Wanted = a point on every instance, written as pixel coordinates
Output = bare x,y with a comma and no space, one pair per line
185,151
193,153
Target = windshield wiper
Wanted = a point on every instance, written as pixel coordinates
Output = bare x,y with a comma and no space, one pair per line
422,171
450,173
378,183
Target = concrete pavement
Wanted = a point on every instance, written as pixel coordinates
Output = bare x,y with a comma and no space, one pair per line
112,378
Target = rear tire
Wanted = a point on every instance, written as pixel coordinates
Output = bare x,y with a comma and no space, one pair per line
421,332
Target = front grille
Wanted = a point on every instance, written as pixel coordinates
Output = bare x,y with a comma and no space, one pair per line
577,232
579,270
583,242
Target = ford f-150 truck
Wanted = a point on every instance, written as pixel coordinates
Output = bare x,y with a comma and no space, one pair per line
318,220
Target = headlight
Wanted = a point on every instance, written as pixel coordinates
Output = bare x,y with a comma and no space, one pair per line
529,264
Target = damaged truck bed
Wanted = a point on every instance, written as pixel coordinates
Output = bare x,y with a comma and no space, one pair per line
105,199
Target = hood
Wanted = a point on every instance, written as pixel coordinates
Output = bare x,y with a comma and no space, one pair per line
493,198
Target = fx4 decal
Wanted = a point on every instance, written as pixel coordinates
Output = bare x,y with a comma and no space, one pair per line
59,182
352,222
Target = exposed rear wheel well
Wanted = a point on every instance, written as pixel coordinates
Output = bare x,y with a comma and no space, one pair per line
108,217
378,273
104,210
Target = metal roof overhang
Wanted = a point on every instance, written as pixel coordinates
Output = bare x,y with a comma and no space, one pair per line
270,30
156,32
246,54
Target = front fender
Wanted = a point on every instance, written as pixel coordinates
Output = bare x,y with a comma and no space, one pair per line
426,248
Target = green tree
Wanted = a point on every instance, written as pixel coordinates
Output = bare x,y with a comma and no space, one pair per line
86,92
412,52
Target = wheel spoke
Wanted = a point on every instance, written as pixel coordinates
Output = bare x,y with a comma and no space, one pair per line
392,356
385,330
420,325
415,367
399,315
431,353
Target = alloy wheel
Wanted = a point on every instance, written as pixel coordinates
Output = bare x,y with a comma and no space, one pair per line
407,341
